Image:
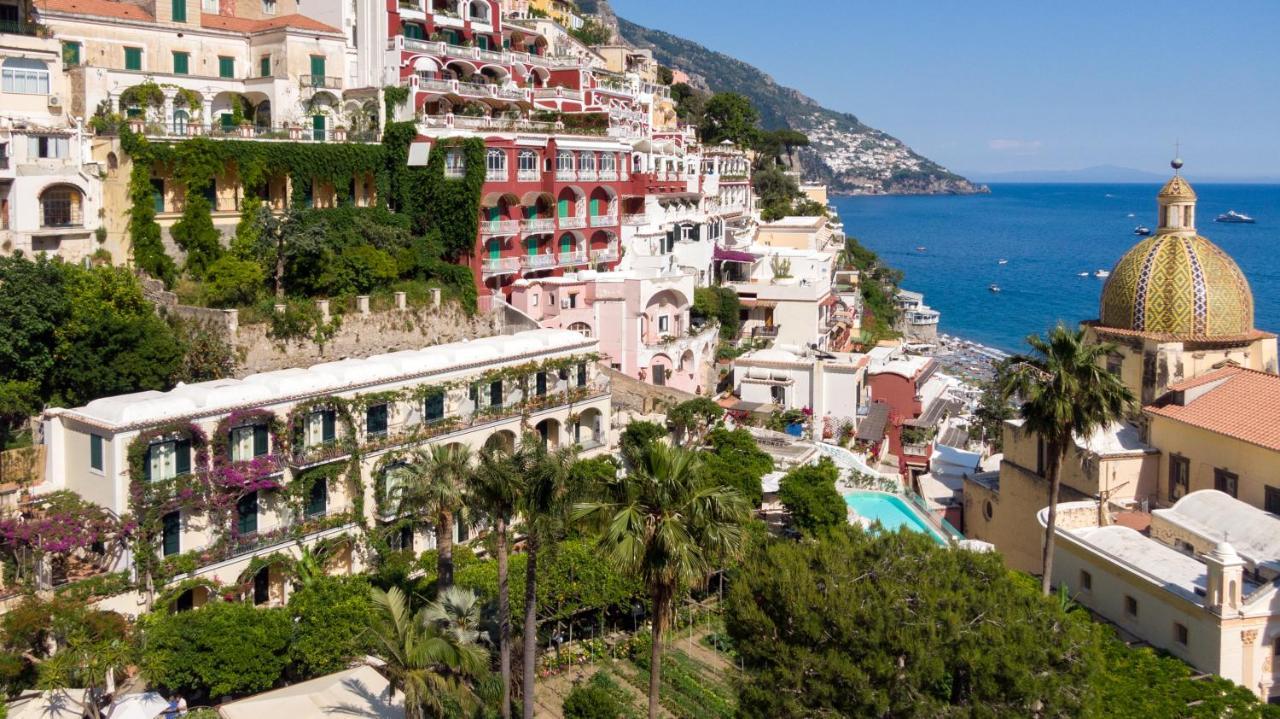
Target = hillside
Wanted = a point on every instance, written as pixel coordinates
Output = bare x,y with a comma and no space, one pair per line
851,157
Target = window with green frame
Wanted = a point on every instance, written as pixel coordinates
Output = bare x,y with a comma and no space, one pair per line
226,66
133,58
412,31
264,66
179,10
157,193
181,63
70,54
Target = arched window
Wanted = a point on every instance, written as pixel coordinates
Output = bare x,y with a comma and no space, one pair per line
529,164
61,206
496,164
587,161
180,121
581,327
478,11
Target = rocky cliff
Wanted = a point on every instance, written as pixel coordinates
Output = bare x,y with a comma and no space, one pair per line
852,158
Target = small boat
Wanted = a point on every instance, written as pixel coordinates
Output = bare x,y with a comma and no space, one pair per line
1142,230
1002,262
993,287
1083,274
1101,273
921,248
1231,216
1129,215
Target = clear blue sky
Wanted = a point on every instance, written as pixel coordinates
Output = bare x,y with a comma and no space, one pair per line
1003,85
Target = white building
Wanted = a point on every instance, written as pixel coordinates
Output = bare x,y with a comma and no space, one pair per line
831,385
1200,583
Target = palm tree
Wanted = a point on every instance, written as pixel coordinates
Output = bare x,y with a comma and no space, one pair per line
668,525
421,658
544,505
495,490
1066,392
436,479
457,611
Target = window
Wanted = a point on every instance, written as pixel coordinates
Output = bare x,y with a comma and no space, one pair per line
247,514
607,162
181,121
587,161
1227,482
1180,633
226,66
318,128
573,300
264,66
317,498
317,70
181,63
60,207
24,76
1179,476
48,147
248,442
210,6
988,510
166,460
1130,606
495,393
564,161
268,7
133,58
262,586
320,428
433,410
455,164
412,31
1114,363
375,421
1086,581
582,374
540,384
157,194
664,323
528,161
394,481
1271,499
172,533
179,10
686,233
70,54
496,163
95,452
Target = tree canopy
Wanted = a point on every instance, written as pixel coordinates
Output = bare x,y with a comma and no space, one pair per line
809,494
733,459
729,116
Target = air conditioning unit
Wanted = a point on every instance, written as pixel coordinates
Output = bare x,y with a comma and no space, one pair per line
54,102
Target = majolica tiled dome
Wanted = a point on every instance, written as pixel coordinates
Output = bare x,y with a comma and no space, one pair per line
1179,285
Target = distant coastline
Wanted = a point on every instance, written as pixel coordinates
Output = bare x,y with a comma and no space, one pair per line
1108,175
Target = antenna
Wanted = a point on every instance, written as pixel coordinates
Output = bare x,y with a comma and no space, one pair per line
1177,156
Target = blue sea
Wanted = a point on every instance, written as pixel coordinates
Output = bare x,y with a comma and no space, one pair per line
1049,234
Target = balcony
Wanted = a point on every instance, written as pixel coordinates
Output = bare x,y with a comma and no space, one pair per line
538,262
604,220
608,175
608,254
587,175
765,332
538,225
568,259
500,227
500,266
528,175
320,82
495,175
318,454
557,93
639,218
566,175
18,27
573,222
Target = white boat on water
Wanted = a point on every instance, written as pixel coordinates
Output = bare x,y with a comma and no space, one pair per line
1083,274
1002,262
994,287
1101,273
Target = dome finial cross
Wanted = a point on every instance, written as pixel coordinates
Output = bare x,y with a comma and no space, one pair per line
1177,157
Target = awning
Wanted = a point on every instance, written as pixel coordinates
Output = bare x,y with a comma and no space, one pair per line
752,302
492,199
871,428
529,199
726,255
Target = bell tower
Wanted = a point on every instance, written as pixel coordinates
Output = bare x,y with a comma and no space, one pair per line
1177,203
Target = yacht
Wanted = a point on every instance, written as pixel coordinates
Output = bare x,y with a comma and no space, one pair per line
1232,216
994,287
1002,262
1101,273
921,248
1083,274
1142,230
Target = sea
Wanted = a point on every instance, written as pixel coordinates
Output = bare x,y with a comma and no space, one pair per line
949,247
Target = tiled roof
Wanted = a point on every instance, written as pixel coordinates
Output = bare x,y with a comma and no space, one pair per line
241,24
1245,405
101,8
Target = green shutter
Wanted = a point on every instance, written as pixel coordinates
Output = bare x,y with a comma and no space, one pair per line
179,10
327,433
531,246
563,208
70,54
317,67
495,249
259,440
157,194
541,383
595,207
566,243
95,452
318,498
317,128
495,394
133,58
146,463
226,67
375,420
264,66
181,63
182,457
172,533
247,513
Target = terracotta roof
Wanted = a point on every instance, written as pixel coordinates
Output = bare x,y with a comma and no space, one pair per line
1245,405
101,8
242,24
1245,338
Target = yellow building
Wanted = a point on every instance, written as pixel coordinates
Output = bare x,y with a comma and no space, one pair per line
563,12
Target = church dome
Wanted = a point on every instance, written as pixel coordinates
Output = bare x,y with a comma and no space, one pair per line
1176,282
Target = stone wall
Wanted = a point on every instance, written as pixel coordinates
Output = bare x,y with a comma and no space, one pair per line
642,398
360,335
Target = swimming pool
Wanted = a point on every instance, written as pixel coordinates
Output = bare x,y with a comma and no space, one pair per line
891,512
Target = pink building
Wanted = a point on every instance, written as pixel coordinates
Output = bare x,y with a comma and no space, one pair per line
640,317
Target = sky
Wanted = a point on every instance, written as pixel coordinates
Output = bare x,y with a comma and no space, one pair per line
994,85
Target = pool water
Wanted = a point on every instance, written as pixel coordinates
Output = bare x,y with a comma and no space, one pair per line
891,512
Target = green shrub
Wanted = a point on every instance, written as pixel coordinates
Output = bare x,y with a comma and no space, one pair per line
231,282
331,617
591,700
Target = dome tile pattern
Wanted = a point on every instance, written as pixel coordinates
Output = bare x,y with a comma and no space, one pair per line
1177,189
1178,285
